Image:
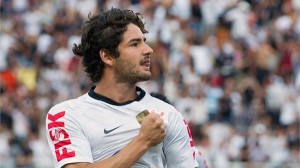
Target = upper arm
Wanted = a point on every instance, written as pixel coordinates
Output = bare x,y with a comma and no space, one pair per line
178,145
65,136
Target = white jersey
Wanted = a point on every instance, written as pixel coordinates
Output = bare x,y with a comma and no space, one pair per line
92,128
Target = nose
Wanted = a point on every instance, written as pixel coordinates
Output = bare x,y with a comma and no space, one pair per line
148,50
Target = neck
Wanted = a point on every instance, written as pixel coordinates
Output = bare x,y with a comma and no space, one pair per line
118,92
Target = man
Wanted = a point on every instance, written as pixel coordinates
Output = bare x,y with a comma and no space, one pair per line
117,124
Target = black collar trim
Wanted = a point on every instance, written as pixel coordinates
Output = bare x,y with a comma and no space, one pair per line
96,96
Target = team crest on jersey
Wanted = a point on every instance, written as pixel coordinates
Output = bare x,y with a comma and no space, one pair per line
141,115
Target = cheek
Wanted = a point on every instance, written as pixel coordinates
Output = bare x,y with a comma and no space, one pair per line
123,65
131,59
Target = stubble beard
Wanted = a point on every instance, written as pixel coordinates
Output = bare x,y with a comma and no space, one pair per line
126,72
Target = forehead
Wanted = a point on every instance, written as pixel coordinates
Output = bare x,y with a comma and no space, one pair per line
132,32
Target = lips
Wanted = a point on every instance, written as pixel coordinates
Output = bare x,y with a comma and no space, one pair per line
146,63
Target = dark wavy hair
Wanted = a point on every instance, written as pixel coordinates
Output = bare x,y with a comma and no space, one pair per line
104,31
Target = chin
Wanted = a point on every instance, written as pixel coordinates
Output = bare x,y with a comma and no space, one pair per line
145,77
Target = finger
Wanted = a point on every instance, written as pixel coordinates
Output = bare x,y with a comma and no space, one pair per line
161,114
162,127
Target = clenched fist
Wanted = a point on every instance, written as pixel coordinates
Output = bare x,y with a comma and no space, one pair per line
152,129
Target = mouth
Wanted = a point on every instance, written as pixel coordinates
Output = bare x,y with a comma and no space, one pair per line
146,64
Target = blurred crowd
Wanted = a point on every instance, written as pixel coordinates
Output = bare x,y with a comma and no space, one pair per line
231,67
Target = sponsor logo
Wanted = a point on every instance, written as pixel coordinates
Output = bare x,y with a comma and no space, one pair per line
59,136
190,136
106,131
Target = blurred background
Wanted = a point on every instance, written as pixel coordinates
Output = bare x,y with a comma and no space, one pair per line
231,67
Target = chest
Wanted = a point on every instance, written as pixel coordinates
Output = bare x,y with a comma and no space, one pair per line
109,129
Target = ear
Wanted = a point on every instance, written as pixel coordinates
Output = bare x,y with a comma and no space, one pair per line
106,57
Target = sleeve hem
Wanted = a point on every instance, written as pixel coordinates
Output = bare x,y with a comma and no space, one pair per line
72,160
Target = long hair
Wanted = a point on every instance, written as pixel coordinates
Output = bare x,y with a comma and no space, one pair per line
104,31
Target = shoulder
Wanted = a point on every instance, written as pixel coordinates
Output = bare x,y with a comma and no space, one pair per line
66,115
161,97
65,105
68,108
160,100
162,104
60,113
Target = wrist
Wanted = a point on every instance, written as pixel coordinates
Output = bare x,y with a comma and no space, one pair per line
143,141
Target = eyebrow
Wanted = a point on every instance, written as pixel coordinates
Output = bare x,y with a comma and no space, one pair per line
137,40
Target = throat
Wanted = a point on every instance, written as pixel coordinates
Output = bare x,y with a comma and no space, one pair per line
117,94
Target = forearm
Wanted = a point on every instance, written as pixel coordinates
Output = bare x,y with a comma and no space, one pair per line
129,155
152,132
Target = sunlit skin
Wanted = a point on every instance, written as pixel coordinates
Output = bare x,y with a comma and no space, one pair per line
133,65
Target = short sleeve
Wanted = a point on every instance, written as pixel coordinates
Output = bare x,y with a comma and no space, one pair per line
178,145
65,136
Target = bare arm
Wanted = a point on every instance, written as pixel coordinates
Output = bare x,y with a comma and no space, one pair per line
152,133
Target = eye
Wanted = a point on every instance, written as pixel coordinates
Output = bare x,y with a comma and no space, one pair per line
134,44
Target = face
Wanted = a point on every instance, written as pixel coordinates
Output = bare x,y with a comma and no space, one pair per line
133,64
